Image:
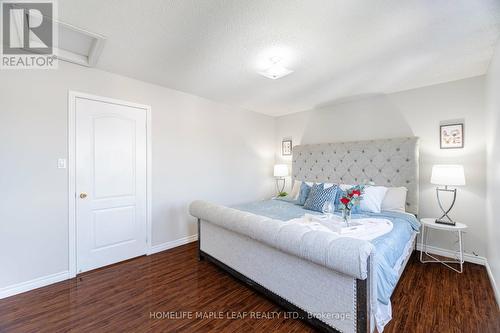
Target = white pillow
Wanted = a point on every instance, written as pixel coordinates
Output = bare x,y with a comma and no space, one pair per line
294,193
372,199
345,187
395,199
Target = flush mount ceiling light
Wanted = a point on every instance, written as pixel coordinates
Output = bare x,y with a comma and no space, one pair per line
276,70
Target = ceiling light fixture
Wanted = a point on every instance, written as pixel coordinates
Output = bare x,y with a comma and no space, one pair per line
276,70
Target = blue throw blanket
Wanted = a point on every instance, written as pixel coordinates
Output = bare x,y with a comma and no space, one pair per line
388,247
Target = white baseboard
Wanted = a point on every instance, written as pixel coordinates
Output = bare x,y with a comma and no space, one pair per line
469,258
451,254
169,245
58,277
43,281
493,284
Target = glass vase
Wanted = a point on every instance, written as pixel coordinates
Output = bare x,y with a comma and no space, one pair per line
346,216
328,209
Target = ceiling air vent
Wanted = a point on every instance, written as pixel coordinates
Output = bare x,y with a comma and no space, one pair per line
79,46
74,44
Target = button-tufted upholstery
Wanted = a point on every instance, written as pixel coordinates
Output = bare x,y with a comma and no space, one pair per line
388,162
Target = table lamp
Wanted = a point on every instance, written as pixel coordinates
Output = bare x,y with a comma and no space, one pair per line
280,172
447,175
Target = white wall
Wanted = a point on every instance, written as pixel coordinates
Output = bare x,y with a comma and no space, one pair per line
201,150
493,160
206,150
416,112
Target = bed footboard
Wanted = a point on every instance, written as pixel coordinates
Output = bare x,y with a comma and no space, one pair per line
328,300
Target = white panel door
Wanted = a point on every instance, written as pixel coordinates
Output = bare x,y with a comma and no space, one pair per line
111,161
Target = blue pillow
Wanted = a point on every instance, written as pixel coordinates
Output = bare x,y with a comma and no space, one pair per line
338,206
319,195
303,194
339,195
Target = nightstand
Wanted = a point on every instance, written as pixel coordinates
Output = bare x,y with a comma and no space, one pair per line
427,225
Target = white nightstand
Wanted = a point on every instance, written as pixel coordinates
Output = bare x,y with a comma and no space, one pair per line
431,224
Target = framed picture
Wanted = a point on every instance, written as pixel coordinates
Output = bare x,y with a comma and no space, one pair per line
451,136
286,147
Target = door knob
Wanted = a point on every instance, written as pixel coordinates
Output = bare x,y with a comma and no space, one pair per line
83,195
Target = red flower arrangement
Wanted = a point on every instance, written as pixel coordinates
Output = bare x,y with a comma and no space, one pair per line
352,197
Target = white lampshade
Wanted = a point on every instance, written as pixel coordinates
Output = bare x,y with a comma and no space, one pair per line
452,175
280,170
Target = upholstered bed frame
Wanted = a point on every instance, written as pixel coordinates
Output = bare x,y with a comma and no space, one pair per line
331,298
388,162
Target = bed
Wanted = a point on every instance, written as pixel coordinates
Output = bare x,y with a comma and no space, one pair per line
337,284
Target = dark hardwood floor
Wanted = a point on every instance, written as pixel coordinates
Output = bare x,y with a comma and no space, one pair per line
141,294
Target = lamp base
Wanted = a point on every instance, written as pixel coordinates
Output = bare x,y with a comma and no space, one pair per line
445,218
282,188
438,221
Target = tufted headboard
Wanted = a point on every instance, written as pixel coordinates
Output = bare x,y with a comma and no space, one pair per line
387,162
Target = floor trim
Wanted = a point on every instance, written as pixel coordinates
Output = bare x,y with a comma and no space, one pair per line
493,284
170,245
468,258
43,281
449,253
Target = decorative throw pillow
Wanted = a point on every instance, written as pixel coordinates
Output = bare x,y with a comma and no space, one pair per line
319,195
372,199
338,195
303,193
395,199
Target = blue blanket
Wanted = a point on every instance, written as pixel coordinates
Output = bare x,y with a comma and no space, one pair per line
388,247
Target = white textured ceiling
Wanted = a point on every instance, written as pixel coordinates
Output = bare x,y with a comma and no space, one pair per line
337,49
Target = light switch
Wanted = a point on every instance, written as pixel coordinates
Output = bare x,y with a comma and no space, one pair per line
61,163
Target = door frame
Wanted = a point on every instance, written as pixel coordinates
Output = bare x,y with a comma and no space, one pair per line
72,237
